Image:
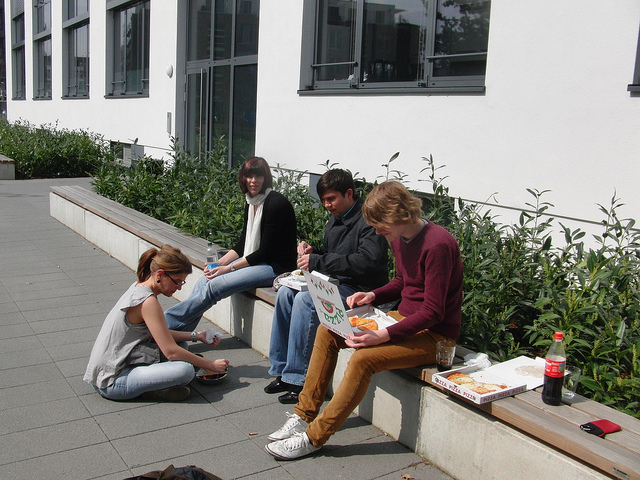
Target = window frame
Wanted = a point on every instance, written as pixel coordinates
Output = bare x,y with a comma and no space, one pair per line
114,8
634,87
427,84
72,22
42,42
18,57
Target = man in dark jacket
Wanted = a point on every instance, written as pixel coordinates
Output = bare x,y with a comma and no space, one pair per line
352,253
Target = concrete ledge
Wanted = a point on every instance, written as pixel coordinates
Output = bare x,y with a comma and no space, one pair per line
7,168
456,437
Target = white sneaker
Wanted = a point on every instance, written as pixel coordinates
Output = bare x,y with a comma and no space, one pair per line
296,446
293,425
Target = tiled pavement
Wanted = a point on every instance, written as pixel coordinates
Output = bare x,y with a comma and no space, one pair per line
55,290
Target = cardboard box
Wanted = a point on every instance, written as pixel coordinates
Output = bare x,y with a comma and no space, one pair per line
297,281
368,311
330,307
519,375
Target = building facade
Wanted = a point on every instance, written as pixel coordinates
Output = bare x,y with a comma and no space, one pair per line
508,95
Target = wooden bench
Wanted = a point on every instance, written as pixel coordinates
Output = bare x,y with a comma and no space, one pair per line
616,456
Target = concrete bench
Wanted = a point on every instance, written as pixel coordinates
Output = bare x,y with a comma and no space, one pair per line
7,168
513,436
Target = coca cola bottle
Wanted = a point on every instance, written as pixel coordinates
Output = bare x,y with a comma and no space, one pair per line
554,371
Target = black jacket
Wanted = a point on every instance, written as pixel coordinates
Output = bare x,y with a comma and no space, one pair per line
353,252
278,235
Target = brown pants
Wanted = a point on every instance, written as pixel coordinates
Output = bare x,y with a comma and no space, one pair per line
418,349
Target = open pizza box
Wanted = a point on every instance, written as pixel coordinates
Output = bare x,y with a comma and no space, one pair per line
330,308
297,281
516,375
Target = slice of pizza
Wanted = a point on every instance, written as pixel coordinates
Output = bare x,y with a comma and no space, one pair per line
465,381
372,325
357,321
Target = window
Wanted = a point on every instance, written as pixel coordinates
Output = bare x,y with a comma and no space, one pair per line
222,76
76,48
634,87
17,51
395,45
42,49
129,31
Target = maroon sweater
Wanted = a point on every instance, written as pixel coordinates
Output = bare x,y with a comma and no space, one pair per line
429,283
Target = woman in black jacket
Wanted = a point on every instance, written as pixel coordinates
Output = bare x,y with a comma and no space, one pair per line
266,248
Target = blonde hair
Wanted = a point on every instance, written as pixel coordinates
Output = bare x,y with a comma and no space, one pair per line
391,202
168,258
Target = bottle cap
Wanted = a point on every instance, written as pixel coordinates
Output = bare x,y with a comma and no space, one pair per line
558,336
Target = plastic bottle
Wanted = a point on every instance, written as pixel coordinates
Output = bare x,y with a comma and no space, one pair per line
554,371
212,256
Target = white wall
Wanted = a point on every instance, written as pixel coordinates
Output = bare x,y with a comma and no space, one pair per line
122,119
556,113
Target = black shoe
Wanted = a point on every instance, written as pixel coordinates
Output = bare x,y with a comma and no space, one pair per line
278,386
289,398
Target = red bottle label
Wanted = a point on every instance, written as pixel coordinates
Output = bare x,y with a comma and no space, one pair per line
554,368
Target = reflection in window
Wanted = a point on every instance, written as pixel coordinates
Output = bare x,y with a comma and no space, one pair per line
42,57
17,51
76,52
131,50
42,49
462,31
76,8
78,55
335,52
393,41
396,43
199,28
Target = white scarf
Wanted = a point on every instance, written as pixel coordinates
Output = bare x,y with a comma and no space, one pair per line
252,238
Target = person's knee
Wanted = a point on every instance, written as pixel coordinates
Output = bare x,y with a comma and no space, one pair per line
285,296
185,372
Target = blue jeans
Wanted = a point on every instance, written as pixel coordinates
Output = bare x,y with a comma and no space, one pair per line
135,381
186,315
292,333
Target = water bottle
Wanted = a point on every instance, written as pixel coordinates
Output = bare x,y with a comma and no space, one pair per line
212,256
554,371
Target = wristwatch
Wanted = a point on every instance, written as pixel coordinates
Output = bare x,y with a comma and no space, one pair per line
233,269
193,337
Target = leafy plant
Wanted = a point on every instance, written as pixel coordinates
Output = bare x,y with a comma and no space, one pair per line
49,152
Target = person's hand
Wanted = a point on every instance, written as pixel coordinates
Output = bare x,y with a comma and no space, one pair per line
219,366
303,262
368,338
360,298
304,248
208,337
216,272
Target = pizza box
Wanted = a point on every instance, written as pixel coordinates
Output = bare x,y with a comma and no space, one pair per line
519,375
330,307
297,281
368,311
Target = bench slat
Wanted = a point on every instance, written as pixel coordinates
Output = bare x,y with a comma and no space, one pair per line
569,413
607,456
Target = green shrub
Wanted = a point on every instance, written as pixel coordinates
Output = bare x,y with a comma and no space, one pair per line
49,152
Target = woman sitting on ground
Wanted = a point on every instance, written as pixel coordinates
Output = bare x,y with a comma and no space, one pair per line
137,321
428,283
266,248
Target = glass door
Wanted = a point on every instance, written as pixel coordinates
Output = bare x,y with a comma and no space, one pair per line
221,80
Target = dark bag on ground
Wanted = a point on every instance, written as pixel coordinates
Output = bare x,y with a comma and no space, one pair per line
145,354
181,473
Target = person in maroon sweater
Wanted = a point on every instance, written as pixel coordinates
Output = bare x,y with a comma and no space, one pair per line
428,283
